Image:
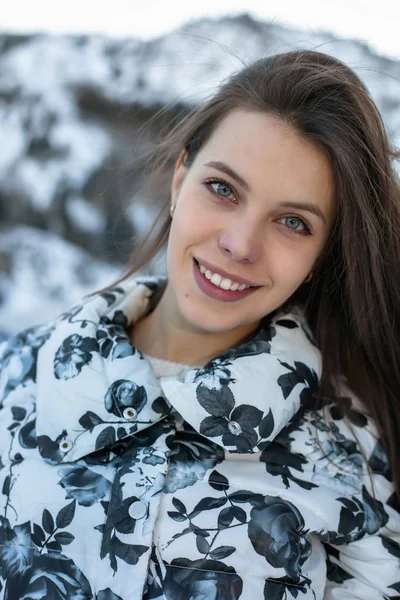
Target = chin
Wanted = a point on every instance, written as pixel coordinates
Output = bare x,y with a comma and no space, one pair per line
205,320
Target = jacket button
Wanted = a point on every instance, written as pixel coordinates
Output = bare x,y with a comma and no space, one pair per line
129,414
65,445
234,428
137,510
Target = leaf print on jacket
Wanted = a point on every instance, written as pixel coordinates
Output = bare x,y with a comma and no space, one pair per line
15,548
279,461
74,353
122,394
236,425
276,531
300,373
119,521
83,484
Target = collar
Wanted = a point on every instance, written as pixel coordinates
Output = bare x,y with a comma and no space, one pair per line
94,388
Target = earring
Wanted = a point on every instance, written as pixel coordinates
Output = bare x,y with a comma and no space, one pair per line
309,277
172,210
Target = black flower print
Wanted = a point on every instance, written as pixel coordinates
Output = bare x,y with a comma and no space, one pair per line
276,531
191,457
50,449
122,394
203,578
215,374
223,527
260,343
83,484
50,575
375,515
18,358
112,338
72,355
235,425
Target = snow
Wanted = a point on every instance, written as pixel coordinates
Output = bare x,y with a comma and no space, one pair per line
47,275
85,216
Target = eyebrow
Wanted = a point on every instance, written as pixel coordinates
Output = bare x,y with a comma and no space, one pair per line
307,206
221,166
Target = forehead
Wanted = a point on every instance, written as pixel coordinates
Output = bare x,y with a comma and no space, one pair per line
271,156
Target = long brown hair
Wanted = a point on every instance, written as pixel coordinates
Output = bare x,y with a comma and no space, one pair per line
353,302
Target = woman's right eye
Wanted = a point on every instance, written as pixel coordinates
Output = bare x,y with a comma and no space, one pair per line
222,189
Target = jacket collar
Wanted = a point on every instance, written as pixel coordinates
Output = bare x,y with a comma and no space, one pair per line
94,387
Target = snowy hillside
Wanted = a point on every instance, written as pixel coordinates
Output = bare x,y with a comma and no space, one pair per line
72,111
41,274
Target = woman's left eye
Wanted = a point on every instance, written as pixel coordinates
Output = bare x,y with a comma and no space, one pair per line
297,225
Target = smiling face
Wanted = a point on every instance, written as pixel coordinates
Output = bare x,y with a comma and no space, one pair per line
264,226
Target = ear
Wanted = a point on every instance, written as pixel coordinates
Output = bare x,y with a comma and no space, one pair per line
179,175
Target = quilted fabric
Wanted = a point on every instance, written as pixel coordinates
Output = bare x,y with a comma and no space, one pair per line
219,485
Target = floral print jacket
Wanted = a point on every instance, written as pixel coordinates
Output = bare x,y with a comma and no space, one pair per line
219,485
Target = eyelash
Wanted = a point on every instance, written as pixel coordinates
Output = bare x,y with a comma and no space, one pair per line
208,182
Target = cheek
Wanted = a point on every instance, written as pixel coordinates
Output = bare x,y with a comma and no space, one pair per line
289,267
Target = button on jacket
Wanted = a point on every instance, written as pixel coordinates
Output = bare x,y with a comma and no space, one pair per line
220,484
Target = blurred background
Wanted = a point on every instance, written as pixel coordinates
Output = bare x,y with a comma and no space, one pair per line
81,85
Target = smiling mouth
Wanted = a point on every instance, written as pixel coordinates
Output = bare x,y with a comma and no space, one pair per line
221,281
217,292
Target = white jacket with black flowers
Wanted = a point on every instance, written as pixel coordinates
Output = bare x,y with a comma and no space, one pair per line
116,485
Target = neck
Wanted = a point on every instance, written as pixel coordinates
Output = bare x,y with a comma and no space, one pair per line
162,336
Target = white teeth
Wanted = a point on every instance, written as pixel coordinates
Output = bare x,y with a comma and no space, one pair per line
224,283
216,279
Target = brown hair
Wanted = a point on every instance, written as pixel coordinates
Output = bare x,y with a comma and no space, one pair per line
353,301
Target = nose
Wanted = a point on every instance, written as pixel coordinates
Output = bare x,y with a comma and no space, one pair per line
242,240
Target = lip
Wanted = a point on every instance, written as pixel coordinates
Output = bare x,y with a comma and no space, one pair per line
226,275
215,292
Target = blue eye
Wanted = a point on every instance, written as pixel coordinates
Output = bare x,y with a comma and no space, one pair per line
297,225
223,189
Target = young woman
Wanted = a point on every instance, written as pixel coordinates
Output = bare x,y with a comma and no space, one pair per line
230,431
